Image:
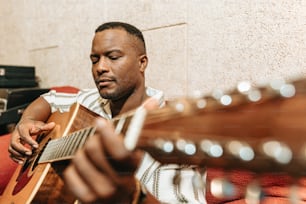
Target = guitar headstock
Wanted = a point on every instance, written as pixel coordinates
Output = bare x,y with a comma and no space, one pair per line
261,129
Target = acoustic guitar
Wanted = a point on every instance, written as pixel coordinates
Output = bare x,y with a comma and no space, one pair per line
260,129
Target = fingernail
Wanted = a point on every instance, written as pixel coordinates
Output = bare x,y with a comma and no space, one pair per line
20,162
35,145
100,122
28,153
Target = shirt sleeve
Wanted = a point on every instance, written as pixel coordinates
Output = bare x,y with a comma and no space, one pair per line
170,183
60,101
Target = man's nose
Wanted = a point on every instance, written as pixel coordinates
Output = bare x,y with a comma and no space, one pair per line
102,65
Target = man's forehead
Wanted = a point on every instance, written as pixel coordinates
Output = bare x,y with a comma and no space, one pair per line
113,32
116,35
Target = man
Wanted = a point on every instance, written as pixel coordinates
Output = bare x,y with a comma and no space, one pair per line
104,170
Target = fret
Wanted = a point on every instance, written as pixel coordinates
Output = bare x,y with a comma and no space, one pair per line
67,144
84,138
57,148
74,141
47,151
78,141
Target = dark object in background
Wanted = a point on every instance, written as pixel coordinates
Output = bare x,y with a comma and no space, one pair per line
10,98
12,104
17,76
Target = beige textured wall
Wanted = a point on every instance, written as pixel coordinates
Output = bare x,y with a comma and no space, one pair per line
192,45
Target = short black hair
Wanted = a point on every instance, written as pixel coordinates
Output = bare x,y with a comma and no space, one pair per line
127,27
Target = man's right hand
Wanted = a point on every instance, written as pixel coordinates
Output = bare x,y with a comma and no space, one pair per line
22,141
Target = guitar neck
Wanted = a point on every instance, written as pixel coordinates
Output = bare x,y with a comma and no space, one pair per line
65,146
262,135
256,129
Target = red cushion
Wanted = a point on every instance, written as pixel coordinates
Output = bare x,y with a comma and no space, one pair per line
7,165
65,89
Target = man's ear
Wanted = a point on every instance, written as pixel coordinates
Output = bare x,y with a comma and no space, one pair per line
143,62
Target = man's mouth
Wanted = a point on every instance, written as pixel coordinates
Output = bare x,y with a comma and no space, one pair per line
104,82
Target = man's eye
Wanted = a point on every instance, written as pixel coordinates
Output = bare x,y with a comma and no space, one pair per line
113,57
94,60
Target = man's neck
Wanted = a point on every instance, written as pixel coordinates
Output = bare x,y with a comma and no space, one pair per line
131,102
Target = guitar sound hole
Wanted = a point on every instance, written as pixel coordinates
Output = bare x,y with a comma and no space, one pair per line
33,159
29,161
39,153
40,137
26,165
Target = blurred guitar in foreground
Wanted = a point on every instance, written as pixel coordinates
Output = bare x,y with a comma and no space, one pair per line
258,129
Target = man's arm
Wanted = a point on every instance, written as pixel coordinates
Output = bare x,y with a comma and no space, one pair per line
31,123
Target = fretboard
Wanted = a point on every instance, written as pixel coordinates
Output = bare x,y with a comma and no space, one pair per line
65,147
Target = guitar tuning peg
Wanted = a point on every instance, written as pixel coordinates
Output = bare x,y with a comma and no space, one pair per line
165,146
241,150
211,148
201,103
217,94
200,99
254,95
226,100
222,188
280,152
244,87
276,84
186,147
254,193
283,88
287,90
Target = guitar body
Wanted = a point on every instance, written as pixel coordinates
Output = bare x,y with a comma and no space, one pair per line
42,183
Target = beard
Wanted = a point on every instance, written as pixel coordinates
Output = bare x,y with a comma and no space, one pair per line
110,96
117,94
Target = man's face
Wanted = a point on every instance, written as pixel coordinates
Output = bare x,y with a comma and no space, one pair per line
116,63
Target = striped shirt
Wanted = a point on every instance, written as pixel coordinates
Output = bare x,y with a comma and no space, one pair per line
169,183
